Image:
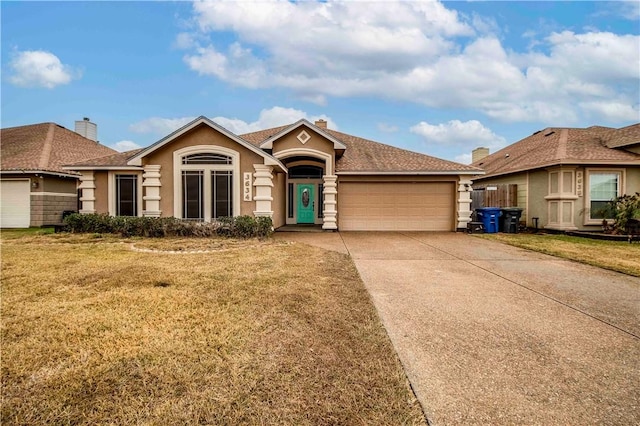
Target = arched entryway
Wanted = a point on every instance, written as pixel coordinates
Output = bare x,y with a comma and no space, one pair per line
310,188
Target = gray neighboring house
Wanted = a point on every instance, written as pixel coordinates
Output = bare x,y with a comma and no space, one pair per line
34,188
564,176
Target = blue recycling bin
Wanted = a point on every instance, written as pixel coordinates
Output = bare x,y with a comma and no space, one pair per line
490,218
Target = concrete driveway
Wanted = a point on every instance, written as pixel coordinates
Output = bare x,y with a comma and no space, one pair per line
492,334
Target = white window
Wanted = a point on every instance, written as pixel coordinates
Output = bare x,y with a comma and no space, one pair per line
206,184
603,186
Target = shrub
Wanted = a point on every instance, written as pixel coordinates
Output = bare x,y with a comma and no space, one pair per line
621,209
155,227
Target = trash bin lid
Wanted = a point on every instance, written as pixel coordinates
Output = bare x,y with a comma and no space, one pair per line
512,209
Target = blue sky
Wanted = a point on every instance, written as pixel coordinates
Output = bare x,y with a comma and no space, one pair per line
439,78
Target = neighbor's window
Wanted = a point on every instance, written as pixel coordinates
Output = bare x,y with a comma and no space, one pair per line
126,195
603,187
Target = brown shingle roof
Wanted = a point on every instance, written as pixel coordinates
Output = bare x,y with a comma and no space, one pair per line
363,155
553,146
118,159
625,136
256,138
45,147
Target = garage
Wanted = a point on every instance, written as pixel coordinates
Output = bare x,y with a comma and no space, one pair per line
15,203
396,206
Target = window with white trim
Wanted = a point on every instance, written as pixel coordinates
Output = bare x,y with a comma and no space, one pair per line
126,202
604,186
207,185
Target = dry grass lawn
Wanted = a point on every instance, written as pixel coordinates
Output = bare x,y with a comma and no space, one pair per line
261,333
613,255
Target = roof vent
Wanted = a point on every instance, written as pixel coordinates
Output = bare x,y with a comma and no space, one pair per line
506,156
535,133
550,133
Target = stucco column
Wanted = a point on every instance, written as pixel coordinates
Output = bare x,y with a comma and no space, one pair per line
464,202
263,183
151,184
330,207
88,187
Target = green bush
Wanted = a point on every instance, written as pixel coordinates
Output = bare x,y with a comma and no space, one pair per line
621,209
156,227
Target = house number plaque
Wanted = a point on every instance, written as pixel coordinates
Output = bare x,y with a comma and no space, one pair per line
579,184
247,187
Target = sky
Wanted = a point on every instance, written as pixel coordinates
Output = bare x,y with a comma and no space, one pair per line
440,78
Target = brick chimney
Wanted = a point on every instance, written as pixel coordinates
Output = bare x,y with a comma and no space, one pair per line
478,154
321,123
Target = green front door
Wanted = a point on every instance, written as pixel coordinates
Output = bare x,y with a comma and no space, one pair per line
305,203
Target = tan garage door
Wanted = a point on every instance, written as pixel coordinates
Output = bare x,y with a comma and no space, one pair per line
391,206
15,203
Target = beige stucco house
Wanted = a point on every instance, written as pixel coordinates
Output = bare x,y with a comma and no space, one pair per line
303,173
34,188
564,176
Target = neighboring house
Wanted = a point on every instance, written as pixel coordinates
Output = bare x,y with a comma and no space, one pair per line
35,189
301,173
566,176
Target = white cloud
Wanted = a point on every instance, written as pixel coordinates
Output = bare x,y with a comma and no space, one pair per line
612,110
159,125
457,133
420,52
630,9
272,117
387,128
467,135
38,68
125,145
463,158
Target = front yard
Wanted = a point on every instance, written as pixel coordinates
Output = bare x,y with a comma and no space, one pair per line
614,255
98,329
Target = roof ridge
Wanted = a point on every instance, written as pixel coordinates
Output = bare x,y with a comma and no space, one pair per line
47,147
561,149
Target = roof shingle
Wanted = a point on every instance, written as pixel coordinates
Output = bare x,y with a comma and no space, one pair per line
553,146
45,147
361,155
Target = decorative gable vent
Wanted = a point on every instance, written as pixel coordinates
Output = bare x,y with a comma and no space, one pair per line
304,137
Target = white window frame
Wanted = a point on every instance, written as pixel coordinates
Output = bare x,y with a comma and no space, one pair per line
178,168
111,190
587,191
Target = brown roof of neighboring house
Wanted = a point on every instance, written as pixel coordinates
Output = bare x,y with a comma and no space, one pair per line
363,155
554,146
625,136
45,147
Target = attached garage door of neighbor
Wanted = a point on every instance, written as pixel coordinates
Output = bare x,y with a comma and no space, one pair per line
396,206
15,204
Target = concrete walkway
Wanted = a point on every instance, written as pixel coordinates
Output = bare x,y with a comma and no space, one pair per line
492,334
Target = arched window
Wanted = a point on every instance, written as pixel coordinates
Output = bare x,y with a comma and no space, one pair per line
206,183
207,158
